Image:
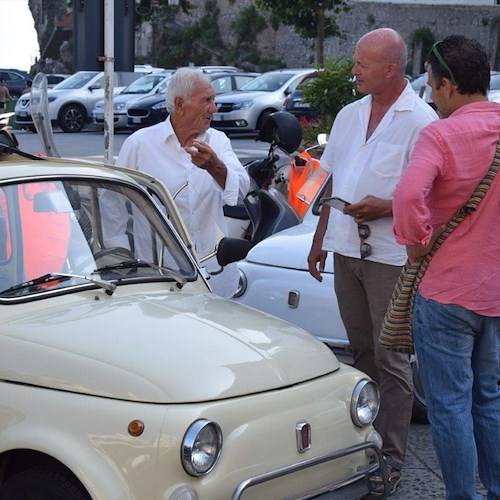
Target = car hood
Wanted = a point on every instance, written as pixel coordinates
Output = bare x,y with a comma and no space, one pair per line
164,347
288,248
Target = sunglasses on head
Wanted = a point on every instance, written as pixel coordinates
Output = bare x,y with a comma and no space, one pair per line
439,57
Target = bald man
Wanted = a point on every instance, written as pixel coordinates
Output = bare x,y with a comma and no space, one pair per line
369,147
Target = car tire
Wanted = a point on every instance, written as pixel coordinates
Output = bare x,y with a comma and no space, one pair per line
419,412
50,482
263,117
72,118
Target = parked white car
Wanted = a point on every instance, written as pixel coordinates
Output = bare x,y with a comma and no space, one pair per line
153,84
494,92
71,101
246,109
274,278
123,376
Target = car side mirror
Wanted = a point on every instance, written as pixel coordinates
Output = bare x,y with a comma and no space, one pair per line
231,250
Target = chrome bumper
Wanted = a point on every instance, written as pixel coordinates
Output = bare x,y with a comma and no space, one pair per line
376,463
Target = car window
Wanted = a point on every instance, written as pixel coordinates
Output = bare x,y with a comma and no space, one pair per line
143,85
54,79
84,228
76,81
295,83
5,237
126,78
268,82
222,84
9,75
242,80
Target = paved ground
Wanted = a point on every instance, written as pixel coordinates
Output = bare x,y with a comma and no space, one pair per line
421,475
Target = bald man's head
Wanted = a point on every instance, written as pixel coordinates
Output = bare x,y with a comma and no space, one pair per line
387,45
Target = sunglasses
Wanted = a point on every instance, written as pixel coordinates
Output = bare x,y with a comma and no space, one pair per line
365,249
439,57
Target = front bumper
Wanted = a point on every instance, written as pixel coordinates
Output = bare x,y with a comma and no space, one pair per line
352,486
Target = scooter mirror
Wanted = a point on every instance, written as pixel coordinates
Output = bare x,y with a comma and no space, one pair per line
231,250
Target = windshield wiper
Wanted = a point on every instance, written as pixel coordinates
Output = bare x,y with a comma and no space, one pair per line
47,278
136,263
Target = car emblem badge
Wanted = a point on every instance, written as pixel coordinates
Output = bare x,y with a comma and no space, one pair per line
303,434
219,105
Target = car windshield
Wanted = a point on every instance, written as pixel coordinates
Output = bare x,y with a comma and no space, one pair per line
144,84
76,81
62,234
268,82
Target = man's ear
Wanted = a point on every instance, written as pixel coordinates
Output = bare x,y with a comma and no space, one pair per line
178,103
391,69
448,87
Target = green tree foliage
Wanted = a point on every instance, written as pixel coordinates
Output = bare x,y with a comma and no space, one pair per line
311,19
246,27
196,43
331,90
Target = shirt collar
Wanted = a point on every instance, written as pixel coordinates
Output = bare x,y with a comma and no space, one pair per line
405,101
168,132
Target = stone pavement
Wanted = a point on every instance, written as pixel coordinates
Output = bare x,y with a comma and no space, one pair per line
421,474
422,478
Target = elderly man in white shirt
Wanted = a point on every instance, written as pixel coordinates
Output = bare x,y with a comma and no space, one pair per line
196,163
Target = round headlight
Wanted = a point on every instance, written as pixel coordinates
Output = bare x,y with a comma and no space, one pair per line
242,285
365,403
201,447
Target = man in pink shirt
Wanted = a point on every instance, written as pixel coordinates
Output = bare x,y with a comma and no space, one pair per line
456,316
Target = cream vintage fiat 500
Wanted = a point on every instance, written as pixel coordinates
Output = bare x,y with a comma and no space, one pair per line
123,377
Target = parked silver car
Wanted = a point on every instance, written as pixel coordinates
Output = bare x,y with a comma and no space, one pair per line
153,84
72,100
245,110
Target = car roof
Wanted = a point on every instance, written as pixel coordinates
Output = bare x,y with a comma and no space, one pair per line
14,167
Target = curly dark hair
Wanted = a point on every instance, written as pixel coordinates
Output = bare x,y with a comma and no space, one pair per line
463,61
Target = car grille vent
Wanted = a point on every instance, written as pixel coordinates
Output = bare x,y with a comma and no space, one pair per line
137,112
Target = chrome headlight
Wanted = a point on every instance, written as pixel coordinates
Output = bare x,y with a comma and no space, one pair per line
365,402
243,105
119,106
201,447
242,284
160,105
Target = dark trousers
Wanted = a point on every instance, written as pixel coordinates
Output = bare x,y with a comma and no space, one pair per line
363,290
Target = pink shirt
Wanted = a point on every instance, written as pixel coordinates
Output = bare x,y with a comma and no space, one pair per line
449,160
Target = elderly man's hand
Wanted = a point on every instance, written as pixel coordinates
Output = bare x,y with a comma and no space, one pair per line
204,157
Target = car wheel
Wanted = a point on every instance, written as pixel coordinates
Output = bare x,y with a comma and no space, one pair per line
72,118
419,413
44,483
263,117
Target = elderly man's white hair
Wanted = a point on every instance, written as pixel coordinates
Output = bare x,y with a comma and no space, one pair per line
181,85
